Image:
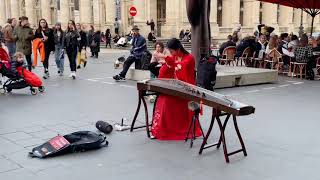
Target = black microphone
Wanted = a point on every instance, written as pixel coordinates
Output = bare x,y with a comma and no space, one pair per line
193,106
104,127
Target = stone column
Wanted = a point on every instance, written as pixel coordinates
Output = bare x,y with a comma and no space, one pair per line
251,13
97,14
214,18
270,16
3,13
64,12
235,13
306,23
170,29
230,13
46,11
141,18
226,13
30,12
110,13
85,11
14,7
286,18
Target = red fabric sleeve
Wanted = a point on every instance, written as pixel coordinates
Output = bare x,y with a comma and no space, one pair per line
170,61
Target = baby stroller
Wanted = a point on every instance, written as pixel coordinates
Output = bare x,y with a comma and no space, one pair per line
25,78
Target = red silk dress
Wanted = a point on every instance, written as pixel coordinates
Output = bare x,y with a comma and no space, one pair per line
172,117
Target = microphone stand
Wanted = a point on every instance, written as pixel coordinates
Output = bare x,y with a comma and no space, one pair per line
192,127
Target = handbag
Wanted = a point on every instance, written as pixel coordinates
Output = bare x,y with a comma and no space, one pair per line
93,44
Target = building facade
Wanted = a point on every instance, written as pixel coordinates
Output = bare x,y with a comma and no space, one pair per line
169,16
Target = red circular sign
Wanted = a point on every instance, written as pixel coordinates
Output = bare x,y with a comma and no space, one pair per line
133,11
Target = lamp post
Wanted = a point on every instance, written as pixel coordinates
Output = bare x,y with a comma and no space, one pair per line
301,32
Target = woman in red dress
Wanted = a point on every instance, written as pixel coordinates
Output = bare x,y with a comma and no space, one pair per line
172,117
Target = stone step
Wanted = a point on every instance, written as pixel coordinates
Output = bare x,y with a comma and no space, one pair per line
228,76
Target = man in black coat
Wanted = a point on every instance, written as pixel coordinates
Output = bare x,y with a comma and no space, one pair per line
226,44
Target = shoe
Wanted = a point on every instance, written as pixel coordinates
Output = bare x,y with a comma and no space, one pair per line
85,64
78,67
73,75
59,72
46,75
119,78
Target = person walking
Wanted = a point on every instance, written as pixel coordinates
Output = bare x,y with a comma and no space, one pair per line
95,44
71,44
23,36
8,36
46,35
83,42
108,38
90,37
59,47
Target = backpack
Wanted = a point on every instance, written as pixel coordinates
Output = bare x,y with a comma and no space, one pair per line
75,142
145,60
206,73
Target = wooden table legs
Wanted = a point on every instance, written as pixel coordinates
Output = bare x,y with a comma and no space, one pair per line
142,94
216,116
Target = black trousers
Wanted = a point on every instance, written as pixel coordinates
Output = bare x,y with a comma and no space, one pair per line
72,56
126,65
154,69
46,59
108,43
29,61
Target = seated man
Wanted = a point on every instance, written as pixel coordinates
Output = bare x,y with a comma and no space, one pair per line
152,37
138,47
226,44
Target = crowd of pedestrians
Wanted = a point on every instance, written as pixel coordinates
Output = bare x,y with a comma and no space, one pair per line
42,41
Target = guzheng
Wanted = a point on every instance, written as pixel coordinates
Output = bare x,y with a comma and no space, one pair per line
190,92
221,106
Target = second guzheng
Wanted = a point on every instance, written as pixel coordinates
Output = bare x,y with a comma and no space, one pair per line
221,106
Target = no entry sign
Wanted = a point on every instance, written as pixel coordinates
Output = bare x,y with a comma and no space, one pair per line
133,11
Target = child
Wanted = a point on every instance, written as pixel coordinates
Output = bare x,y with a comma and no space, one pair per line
17,61
82,58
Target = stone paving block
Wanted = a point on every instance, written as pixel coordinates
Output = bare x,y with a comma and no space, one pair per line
77,124
30,142
7,146
7,165
32,129
19,174
17,136
34,164
61,127
45,135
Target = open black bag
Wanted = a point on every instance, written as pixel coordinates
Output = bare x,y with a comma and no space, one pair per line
75,142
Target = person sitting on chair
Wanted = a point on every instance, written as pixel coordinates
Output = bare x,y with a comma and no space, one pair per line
138,47
156,63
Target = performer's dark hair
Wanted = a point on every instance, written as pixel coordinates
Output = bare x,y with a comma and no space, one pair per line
175,44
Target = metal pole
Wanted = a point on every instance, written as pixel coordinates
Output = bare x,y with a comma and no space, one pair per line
301,25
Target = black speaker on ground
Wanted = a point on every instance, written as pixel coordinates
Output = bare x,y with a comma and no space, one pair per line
104,127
